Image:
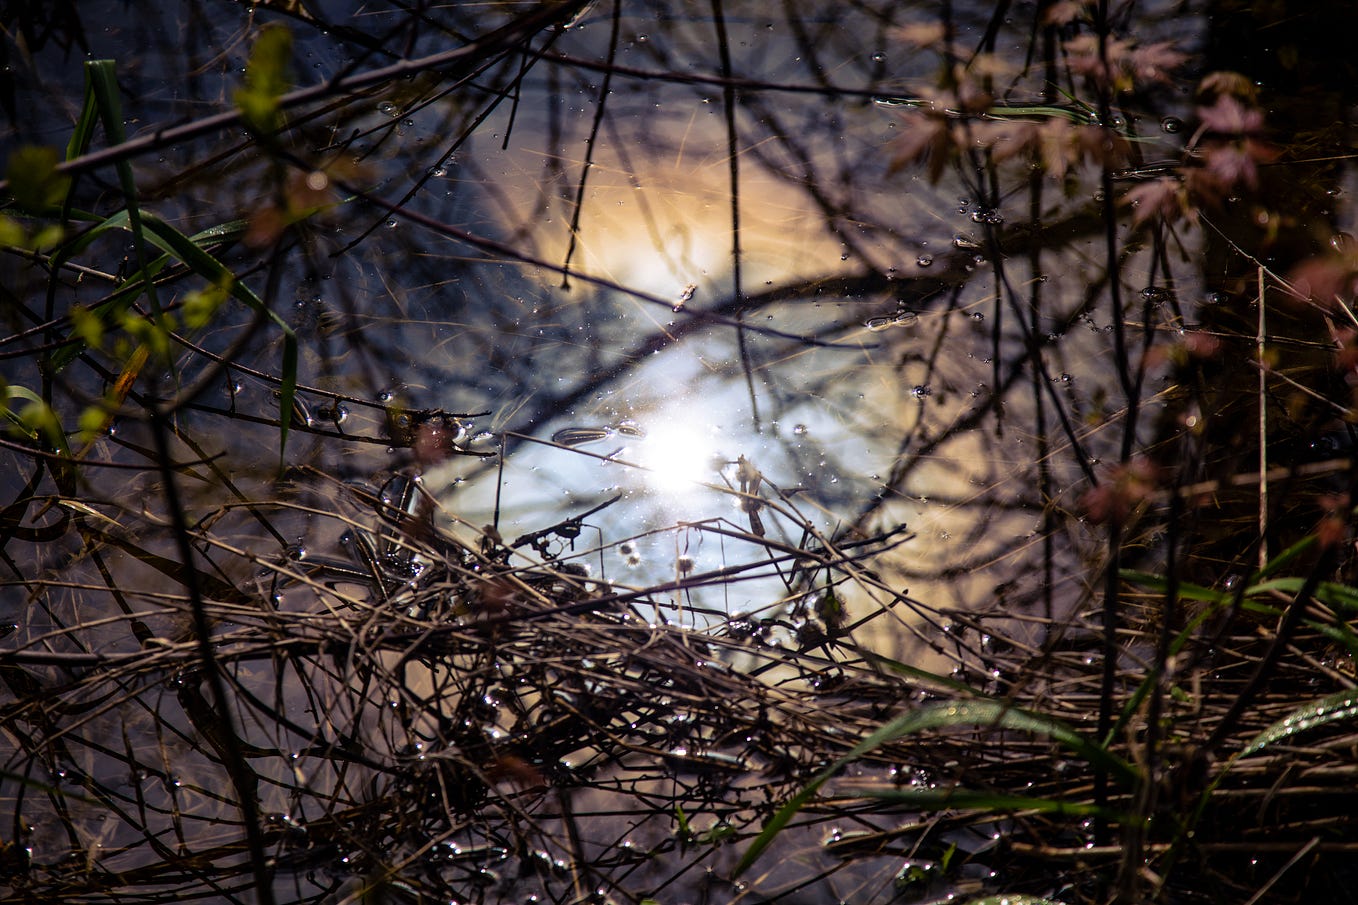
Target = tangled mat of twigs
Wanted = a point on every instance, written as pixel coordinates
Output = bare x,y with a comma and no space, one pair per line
440,720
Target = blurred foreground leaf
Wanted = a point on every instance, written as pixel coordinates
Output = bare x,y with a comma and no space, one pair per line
267,77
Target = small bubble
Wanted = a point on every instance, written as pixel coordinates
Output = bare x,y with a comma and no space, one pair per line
1171,125
921,391
392,223
879,57
925,260
387,108
799,430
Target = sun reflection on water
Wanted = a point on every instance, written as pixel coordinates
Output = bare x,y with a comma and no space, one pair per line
678,454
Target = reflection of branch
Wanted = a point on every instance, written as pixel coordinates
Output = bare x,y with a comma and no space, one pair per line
907,292
511,254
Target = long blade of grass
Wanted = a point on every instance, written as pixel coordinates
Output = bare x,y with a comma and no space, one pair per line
83,133
977,713
103,84
204,264
1334,708
914,673
968,800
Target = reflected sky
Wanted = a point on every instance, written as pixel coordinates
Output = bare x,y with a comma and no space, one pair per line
769,200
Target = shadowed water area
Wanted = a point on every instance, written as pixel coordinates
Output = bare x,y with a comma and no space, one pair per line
663,452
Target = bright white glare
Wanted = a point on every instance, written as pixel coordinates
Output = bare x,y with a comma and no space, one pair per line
678,455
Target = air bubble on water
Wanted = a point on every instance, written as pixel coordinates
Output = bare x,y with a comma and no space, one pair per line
438,172
1171,125
925,260
879,57
392,223
387,108
921,391
799,430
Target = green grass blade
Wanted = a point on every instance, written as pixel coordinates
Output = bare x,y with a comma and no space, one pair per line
969,800
1187,591
914,673
84,126
111,307
205,265
1335,708
977,713
103,84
